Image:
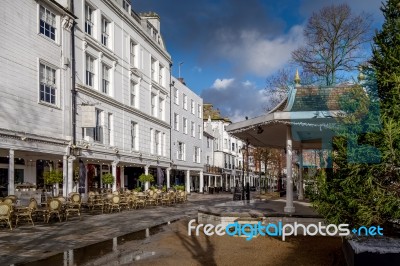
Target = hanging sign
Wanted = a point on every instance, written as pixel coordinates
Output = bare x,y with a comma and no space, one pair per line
88,116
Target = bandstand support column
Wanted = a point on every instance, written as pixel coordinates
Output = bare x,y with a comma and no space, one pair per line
289,208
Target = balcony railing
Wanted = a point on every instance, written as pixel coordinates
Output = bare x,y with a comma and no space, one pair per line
212,169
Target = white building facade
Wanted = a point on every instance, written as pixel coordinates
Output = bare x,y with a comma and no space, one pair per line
186,137
227,156
122,94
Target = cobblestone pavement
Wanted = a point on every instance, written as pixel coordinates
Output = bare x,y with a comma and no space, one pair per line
26,243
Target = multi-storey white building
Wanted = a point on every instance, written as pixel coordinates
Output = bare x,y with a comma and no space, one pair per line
186,136
122,93
228,158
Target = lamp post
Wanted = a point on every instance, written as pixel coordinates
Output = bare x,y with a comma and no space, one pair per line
243,149
247,169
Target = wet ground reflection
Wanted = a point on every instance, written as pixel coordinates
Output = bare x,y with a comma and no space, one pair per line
116,251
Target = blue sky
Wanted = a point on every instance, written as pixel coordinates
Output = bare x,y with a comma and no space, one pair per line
229,47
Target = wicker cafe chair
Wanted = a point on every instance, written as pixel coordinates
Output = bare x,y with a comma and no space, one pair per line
166,199
172,197
108,202
132,200
5,213
12,197
74,206
96,201
124,202
54,207
9,201
179,196
140,200
26,213
115,203
151,199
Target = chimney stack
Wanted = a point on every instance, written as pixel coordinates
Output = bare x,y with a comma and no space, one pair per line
182,81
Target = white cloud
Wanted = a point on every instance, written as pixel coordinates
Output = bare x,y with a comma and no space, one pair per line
237,99
262,56
221,84
248,83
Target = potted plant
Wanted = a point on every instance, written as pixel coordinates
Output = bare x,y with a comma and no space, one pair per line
138,189
52,178
107,179
146,179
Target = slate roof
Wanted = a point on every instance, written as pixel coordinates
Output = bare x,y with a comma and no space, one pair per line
317,99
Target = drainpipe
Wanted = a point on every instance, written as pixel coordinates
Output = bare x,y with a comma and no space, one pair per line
170,119
73,90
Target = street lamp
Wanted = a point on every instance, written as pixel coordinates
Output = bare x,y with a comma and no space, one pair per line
245,147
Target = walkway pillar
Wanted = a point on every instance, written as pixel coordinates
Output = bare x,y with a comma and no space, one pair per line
146,172
168,172
289,208
65,176
122,176
300,188
11,173
187,182
114,173
70,182
201,185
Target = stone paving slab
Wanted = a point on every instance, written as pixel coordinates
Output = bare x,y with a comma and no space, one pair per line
26,243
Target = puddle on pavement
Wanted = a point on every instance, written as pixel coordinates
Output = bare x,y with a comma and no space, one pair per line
117,251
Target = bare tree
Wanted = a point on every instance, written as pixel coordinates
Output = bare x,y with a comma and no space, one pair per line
334,38
278,85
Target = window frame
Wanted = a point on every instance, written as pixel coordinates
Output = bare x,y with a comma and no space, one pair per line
47,12
89,20
161,108
90,70
161,74
185,125
192,106
110,128
133,53
126,5
48,87
180,155
133,92
193,129
153,104
199,110
134,136
176,96
105,80
176,121
184,99
105,32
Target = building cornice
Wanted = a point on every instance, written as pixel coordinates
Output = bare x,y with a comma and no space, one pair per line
28,137
157,86
93,43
